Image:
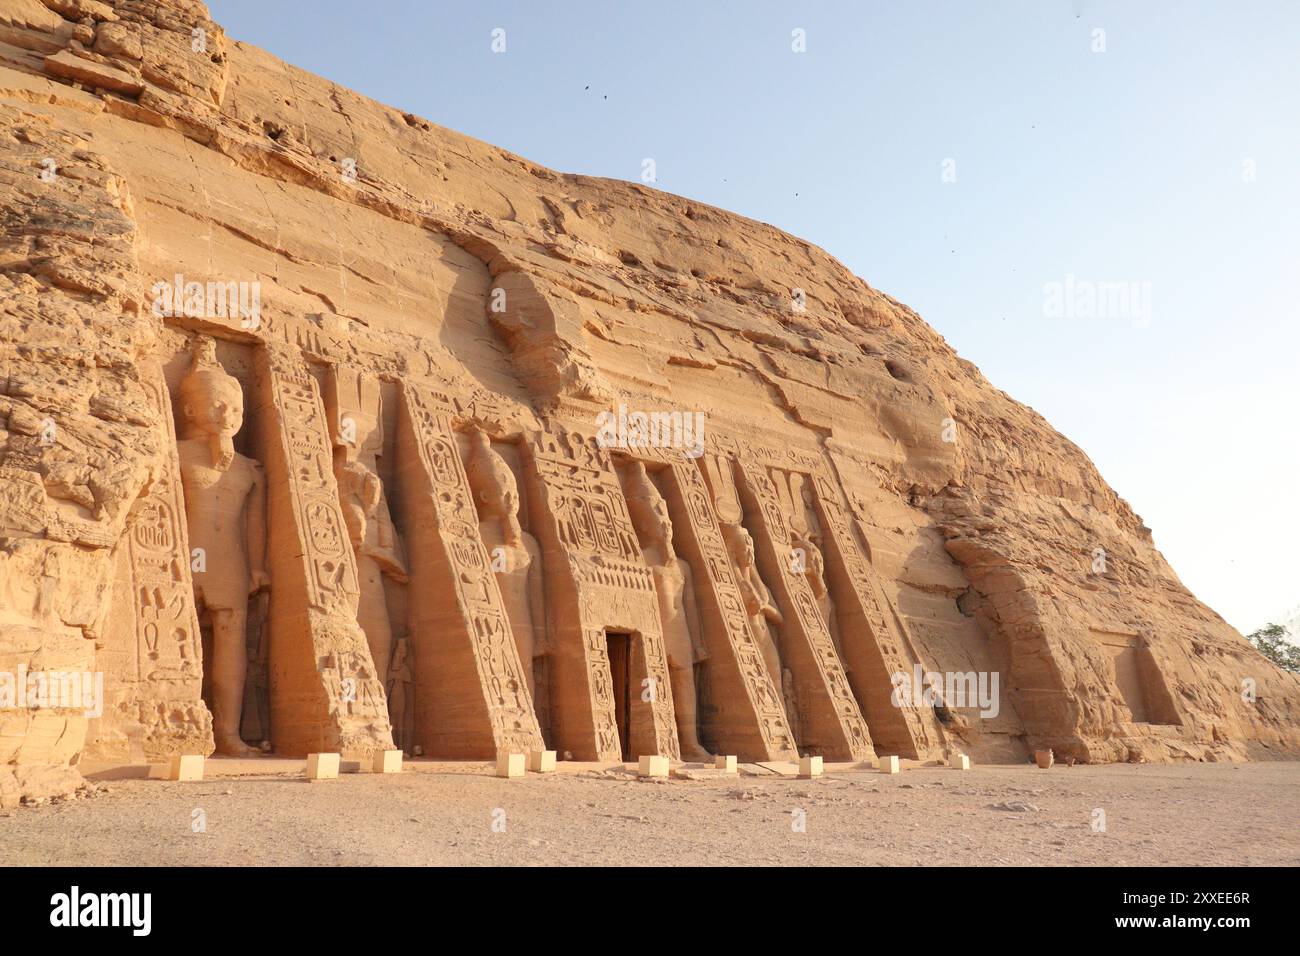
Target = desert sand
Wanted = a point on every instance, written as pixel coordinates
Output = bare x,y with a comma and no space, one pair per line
443,814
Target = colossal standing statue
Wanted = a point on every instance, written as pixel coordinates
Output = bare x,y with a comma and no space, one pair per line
378,554
356,425
814,571
401,713
762,611
515,554
225,510
675,587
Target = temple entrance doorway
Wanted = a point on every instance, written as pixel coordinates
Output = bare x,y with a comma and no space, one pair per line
619,646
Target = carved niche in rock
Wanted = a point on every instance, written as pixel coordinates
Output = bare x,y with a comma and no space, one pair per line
806,548
225,511
515,554
356,426
675,587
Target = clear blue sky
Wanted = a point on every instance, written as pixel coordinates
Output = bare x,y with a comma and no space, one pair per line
1127,165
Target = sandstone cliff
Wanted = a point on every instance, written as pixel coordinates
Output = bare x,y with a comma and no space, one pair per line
477,313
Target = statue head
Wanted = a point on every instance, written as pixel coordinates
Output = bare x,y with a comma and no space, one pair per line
647,508
739,544
814,564
494,485
212,400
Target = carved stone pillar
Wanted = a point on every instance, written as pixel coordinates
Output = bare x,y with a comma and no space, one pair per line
872,638
598,584
325,694
154,704
830,721
748,720
471,695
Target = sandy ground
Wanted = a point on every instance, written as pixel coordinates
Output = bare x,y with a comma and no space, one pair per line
444,814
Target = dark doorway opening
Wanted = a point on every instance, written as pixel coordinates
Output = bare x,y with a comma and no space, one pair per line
619,646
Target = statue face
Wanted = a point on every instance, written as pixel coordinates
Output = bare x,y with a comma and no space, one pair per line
663,524
812,553
509,500
650,515
742,546
218,408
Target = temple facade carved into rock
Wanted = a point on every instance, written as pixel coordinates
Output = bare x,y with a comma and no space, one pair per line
303,448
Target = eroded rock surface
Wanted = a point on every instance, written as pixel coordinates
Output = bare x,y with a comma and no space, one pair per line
418,323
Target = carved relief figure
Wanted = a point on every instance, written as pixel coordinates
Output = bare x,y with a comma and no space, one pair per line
515,554
401,713
225,509
762,610
814,571
675,587
358,439
377,552
806,546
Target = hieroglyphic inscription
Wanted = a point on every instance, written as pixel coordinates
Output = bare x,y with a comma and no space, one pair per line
584,501
354,693
168,645
829,684
873,604
332,573
478,595
164,697
763,696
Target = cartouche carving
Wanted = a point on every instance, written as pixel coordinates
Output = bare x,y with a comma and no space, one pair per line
225,511
604,586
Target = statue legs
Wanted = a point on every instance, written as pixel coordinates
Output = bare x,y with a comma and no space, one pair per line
229,671
685,705
372,614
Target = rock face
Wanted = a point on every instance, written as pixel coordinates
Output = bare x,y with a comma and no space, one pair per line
343,428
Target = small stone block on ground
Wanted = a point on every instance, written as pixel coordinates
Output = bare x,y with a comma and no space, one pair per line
387,761
725,762
889,764
185,767
510,765
653,767
959,762
810,767
541,761
322,767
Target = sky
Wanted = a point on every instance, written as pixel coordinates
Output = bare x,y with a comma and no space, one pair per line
995,165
